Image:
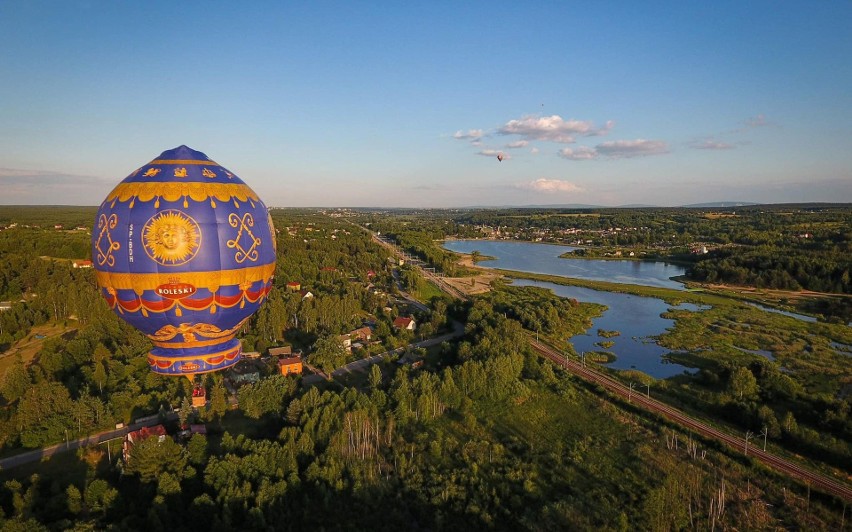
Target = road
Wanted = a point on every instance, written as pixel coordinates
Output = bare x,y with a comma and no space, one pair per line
363,363
817,480
94,439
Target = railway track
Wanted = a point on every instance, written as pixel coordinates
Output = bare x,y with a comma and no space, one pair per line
816,480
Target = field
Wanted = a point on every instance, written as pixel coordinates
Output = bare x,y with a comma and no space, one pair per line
28,347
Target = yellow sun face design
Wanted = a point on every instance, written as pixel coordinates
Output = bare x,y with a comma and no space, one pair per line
171,238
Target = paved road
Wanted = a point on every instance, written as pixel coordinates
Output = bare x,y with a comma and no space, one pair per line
94,439
827,484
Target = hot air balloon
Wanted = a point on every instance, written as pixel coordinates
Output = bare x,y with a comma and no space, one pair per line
500,157
184,251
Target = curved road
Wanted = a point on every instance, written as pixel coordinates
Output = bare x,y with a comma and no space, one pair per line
827,484
822,482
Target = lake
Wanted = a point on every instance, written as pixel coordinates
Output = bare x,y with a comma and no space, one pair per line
636,318
544,258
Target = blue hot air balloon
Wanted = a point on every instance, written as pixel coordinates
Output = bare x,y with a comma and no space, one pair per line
184,251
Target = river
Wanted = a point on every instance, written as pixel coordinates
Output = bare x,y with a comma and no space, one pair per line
636,318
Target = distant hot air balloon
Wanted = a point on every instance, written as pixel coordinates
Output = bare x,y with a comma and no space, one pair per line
185,252
500,157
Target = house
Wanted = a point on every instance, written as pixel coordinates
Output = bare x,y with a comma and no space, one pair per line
57,226
364,334
5,305
290,365
82,264
134,437
279,352
346,341
244,373
294,286
404,323
306,294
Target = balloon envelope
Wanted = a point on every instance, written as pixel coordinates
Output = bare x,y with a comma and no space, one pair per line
184,251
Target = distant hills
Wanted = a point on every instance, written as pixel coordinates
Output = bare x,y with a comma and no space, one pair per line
720,204
710,205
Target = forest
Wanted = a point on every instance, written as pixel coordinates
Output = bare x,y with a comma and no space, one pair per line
788,247
486,435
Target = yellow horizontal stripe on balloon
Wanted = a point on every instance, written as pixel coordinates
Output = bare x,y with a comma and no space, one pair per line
140,282
182,161
173,191
200,343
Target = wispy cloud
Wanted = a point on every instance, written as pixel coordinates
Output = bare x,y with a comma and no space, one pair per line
624,149
550,186
754,122
518,144
552,128
494,153
711,145
757,121
471,134
46,187
615,149
581,153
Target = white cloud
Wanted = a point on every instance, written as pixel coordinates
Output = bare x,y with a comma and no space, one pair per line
46,187
552,128
711,145
551,186
534,150
622,149
581,153
494,153
471,134
757,121
518,144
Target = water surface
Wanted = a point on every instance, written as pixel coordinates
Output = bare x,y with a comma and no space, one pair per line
636,318
544,258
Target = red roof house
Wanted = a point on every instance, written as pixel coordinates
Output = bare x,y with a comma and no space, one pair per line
404,323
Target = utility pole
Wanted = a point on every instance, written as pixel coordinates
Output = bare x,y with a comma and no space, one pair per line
630,392
764,433
648,393
748,436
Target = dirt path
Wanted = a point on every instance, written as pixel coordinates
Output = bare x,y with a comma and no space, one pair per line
476,284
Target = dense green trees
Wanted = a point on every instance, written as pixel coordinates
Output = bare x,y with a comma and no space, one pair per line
486,435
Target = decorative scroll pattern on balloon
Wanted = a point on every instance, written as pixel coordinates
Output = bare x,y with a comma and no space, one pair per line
244,232
212,362
105,224
190,331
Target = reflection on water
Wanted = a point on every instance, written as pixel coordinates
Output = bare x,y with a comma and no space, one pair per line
760,352
809,319
636,318
544,258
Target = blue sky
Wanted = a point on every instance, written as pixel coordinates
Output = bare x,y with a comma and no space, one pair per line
403,104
